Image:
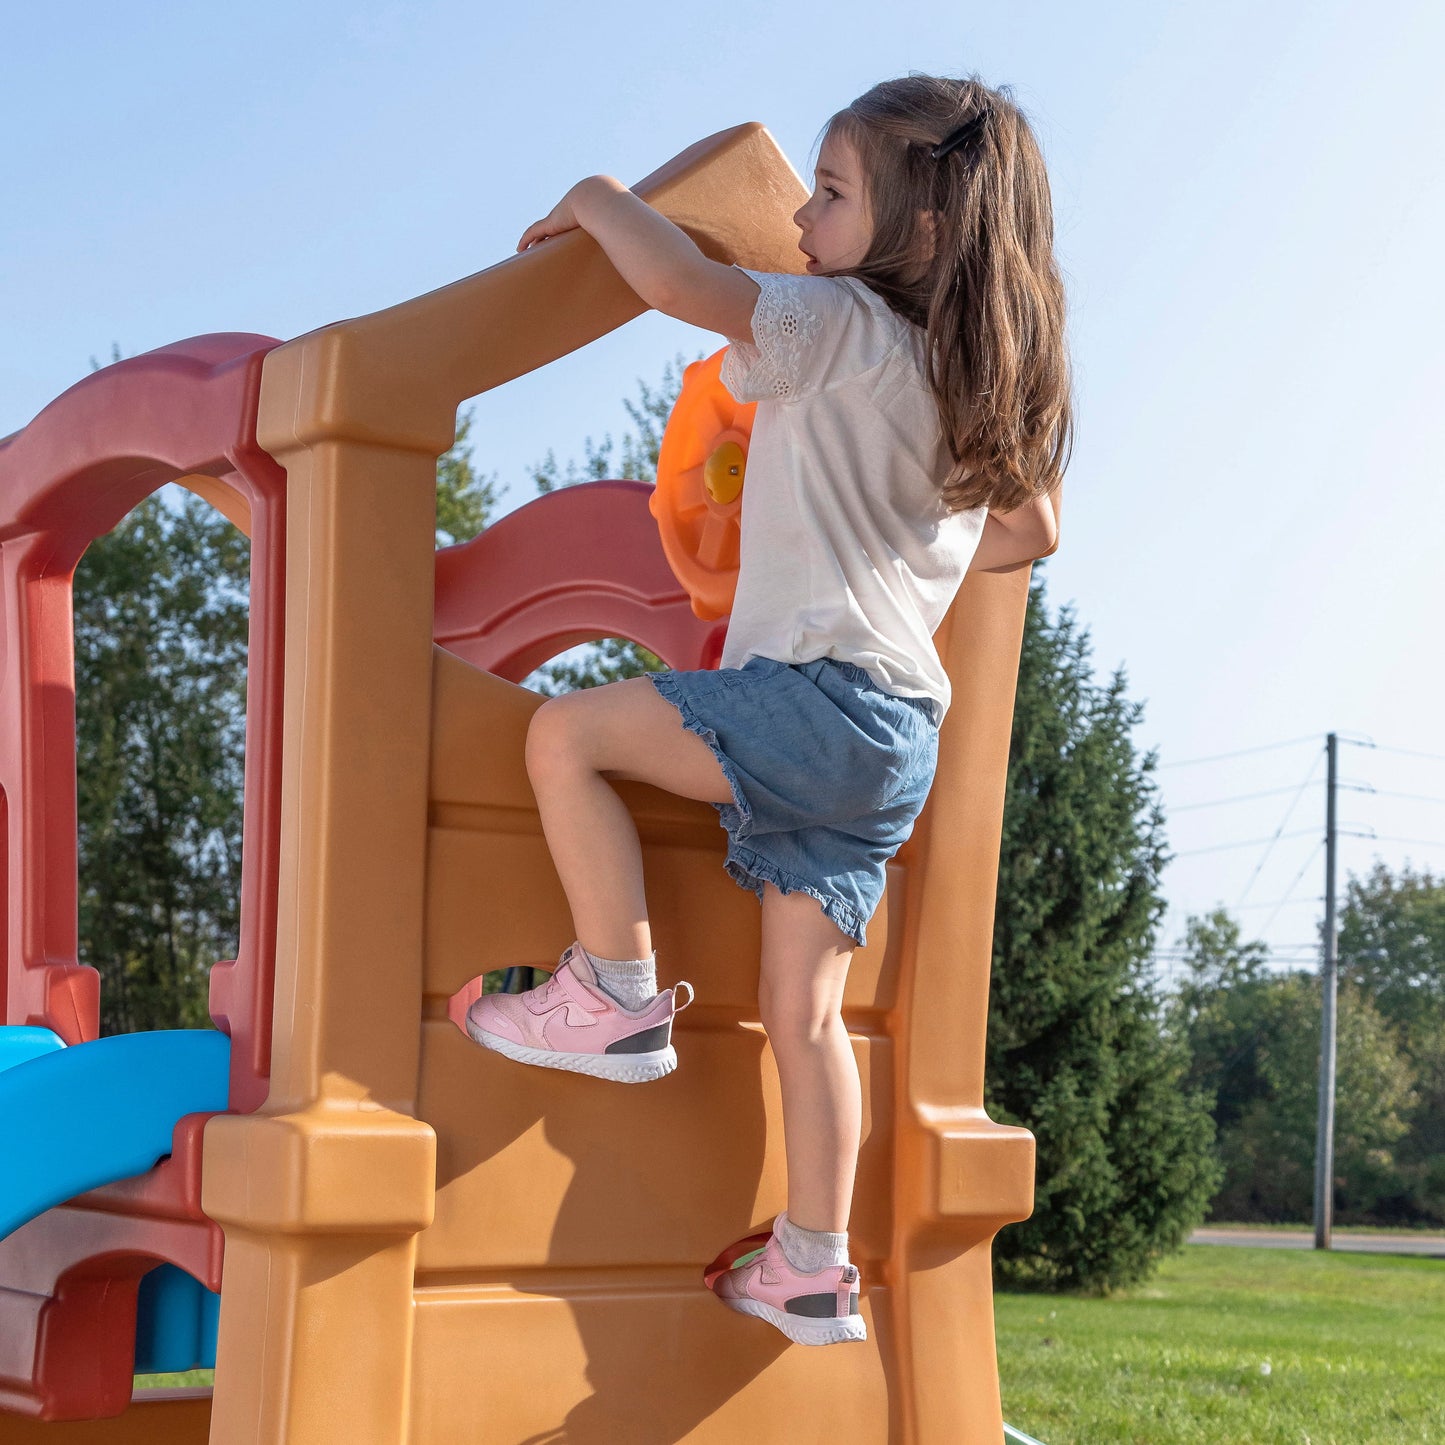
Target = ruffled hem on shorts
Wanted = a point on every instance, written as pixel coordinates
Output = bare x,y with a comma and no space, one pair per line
752,870
742,822
745,866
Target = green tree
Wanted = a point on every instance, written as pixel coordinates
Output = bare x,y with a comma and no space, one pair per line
1269,1152
1216,1013
1392,945
160,614
1077,1048
1421,1153
1254,1041
608,660
636,458
466,500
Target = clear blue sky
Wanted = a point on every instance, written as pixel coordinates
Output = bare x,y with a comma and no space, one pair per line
1249,207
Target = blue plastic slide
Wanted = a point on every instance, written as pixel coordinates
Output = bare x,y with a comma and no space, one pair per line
19,1044
72,1119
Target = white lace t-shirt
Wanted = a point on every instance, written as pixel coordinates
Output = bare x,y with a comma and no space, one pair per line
847,549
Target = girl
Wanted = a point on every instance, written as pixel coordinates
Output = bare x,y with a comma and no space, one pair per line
914,421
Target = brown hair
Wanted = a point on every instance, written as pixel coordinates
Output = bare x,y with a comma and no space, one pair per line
989,298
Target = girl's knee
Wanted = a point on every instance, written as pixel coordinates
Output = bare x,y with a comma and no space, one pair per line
549,738
796,1015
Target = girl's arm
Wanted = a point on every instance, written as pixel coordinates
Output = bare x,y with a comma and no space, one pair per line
657,259
1012,539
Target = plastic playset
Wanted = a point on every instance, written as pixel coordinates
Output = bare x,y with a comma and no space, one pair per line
374,1230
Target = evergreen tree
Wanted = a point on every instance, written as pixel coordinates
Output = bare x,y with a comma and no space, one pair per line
466,501
637,459
1077,1051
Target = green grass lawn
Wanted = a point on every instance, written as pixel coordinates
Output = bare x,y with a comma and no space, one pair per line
185,1380
1347,1229
1235,1346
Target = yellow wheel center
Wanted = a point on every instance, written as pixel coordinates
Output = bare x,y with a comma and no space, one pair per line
723,472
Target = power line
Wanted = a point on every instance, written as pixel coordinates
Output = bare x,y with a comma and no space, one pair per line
1245,843
1309,777
1289,892
1280,902
1304,953
1403,752
1172,966
1279,834
1385,793
1243,752
1304,944
1295,742
1298,793
1300,956
1240,798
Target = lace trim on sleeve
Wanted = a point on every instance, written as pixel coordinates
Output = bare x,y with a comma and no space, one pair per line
734,374
784,328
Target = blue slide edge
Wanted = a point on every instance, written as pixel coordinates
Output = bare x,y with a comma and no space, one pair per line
73,1119
19,1043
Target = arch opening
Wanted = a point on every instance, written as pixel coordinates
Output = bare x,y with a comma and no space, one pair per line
592,664
161,610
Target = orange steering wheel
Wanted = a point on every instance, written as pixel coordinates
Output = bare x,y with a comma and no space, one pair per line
698,500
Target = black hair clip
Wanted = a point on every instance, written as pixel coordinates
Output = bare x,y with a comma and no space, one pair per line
965,132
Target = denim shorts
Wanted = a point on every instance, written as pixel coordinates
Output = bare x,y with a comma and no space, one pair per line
828,773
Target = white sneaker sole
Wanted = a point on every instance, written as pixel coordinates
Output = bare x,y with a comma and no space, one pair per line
799,1328
620,1068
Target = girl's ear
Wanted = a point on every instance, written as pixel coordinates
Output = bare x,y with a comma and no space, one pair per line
926,220
928,234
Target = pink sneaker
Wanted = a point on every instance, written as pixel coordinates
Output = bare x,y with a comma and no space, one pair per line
570,1023
753,1276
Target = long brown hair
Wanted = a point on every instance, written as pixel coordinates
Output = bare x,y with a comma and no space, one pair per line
989,297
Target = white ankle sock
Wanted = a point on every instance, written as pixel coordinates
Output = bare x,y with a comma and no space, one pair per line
631,981
809,1250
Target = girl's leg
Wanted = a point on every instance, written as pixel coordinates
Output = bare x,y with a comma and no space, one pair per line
575,744
800,992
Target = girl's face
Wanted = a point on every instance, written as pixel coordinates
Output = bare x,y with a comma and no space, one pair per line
836,224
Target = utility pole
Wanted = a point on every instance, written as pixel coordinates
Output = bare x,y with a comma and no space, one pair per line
1325,1131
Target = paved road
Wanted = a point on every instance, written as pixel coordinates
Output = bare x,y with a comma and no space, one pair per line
1428,1244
